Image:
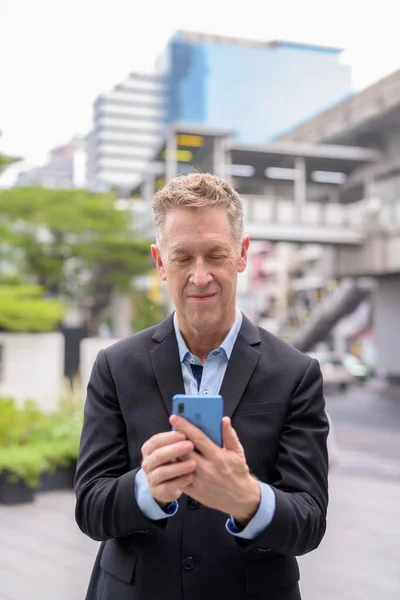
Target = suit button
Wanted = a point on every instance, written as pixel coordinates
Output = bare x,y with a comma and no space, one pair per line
261,550
188,563
192,503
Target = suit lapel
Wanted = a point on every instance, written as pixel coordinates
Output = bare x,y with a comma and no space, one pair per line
166,363
168,371
241,365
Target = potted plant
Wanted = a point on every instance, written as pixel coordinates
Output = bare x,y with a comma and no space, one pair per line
59,464
20,468
38,450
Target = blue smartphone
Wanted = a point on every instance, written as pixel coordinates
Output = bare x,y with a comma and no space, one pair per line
205,412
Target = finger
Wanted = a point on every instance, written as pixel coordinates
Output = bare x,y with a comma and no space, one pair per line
169,472
161,439
201,442
166,454
230,438
172,490
180,484
200,460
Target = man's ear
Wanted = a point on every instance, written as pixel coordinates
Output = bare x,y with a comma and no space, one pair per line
243,254
156,254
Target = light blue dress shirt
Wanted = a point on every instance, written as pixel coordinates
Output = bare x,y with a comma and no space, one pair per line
213,373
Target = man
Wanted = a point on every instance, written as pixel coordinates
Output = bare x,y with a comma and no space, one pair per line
183,524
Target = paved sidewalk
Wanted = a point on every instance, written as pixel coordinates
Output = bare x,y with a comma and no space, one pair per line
44,556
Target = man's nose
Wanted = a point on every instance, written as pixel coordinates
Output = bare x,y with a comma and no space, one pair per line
200,276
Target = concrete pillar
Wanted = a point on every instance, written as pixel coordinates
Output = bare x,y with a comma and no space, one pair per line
171,162
226,160
386,326
148,187
122,316
219,158
300,187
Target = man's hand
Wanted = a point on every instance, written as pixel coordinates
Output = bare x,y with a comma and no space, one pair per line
167,466
222,479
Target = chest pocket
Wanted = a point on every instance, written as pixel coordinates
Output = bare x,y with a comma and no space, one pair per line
260,408
258,427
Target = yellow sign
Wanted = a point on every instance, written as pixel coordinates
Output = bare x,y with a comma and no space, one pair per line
191,141
180,155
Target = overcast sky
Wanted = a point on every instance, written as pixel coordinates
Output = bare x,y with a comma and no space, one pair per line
57,55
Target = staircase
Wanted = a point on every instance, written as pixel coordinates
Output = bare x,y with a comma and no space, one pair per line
341,303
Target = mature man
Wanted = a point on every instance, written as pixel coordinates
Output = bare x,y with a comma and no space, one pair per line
183,524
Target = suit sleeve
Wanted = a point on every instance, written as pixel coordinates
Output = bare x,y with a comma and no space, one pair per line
301,488
106,506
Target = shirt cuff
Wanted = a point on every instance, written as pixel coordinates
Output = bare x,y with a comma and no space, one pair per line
146,502
261,519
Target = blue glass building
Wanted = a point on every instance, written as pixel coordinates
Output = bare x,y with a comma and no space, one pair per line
257,89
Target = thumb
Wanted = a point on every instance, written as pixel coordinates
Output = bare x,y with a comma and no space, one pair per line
230,438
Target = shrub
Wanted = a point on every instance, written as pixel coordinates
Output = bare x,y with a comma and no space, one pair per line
22,463
33,442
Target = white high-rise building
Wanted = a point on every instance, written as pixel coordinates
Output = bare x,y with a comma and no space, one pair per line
64,169
129,122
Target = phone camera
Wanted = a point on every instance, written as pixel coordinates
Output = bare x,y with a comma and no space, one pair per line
181,408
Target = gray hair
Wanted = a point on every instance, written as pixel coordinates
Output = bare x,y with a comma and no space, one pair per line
198,190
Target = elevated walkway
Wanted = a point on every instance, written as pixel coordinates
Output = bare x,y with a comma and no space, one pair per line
278,220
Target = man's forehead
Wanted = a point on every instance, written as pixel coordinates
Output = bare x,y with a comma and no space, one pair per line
196,216
191,246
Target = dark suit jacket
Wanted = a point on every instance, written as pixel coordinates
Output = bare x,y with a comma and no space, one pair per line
274,395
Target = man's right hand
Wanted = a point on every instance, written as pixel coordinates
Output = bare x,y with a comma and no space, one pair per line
167,472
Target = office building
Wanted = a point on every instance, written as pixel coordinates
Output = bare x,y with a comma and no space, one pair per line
255,89
128,124
65,168
259,89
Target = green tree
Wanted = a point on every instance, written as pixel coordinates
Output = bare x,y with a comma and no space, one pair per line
23,308
6,161
74,244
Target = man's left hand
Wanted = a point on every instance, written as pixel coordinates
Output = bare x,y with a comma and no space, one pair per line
222,479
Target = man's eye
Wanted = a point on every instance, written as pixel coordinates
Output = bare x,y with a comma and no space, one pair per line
217,257
182,260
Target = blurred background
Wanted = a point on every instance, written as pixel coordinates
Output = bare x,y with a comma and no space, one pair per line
298,105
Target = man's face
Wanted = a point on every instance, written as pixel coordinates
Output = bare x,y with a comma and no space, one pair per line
200,261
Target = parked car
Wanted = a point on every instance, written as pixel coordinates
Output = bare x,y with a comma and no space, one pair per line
333,371
359,370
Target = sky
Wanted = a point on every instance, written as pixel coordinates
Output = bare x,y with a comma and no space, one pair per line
58,55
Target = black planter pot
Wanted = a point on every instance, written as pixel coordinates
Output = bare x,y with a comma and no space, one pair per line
15,493
61,479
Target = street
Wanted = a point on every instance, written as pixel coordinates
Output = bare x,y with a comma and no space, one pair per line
43,555
360,554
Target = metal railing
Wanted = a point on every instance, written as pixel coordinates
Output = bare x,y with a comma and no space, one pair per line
364,215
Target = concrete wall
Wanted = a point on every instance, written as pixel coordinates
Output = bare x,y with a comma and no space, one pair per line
90,347
379,255
387,326
32,367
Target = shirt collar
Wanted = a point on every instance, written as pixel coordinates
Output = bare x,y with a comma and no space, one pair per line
226,345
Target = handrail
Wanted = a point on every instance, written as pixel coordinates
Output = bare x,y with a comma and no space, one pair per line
364,216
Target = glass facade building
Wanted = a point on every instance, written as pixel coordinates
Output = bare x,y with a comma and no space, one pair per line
257,89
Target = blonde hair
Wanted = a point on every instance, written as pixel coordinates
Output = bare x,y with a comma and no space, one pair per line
198,190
